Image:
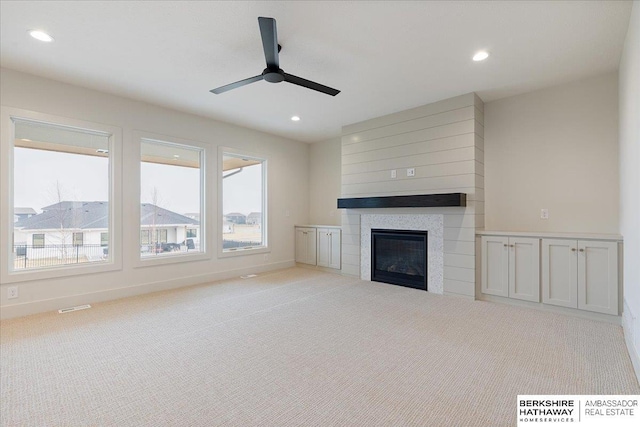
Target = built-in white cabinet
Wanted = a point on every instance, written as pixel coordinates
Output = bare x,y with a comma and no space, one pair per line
580,274
579,271
319,245
511,267
306,245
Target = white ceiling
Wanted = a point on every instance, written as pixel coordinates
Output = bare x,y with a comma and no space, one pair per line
384,56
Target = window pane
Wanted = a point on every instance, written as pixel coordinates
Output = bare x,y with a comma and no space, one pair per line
171,195
243,202
78,239
104,239
60,195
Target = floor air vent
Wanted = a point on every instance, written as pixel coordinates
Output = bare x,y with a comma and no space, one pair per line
76,308
248,276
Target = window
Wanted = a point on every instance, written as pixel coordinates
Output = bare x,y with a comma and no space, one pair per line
37,240
78,239
61,184
171,193
243,202
161,236
144,237
104,239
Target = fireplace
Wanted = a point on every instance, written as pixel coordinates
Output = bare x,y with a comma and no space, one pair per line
399,257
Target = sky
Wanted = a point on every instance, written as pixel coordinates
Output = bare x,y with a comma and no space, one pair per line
85,178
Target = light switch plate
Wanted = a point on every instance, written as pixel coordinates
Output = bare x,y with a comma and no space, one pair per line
394,173
411,172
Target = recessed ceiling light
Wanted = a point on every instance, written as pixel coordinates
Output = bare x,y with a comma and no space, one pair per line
481,56
40,35
102,151
176,156
26,139
295,118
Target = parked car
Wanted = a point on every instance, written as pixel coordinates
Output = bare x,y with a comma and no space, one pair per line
167,247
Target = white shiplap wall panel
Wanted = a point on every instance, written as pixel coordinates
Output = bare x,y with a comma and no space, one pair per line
423,135
444,142
411,149
458,260
414,113
433,171
427,159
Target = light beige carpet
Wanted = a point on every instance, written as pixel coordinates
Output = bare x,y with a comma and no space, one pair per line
299,348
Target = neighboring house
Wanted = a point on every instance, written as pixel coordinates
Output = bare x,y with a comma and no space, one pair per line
22,213
254,218
193,215
235,218
74,225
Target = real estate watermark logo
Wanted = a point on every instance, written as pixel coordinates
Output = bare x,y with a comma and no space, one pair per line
581,410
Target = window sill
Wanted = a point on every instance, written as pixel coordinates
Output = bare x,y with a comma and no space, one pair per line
60,272
239,252
171,259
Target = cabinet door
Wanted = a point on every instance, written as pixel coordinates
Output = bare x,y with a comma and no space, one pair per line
598,276
495,265
560,272
336,249
306,245
329,247
524,269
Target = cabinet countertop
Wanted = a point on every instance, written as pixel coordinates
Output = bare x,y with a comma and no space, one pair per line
319,226
551,235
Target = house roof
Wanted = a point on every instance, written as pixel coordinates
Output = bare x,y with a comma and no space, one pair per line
24,211
255,215
235,214
94,215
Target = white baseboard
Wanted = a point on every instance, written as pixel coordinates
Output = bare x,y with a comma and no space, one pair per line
630,327
34,307
553,309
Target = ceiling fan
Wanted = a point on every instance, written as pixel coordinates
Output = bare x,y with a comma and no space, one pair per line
273,73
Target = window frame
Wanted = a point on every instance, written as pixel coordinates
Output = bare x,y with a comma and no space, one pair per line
206,200
8,117
264,248
102,239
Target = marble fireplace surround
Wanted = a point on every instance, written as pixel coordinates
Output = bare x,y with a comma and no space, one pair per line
433,224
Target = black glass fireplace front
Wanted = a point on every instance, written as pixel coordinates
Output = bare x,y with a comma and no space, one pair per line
399,257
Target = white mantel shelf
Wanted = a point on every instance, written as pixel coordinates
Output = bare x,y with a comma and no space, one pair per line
551,235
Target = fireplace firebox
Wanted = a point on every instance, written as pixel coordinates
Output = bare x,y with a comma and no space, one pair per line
399,257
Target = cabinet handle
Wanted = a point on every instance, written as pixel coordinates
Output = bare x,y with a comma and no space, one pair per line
511,246
505,245
581,250
573,249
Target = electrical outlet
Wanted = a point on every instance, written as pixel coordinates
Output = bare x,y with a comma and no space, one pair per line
411,172
544,213
12,292
287,213
394,173
265,257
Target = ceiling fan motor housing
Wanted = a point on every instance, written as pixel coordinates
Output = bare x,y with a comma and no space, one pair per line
273,76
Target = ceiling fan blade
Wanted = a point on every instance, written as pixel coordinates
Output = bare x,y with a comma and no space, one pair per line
310,85
269,42
235,85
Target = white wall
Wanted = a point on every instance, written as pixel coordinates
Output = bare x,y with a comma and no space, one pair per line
630,183
443,141
555,148
324,182
288,186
